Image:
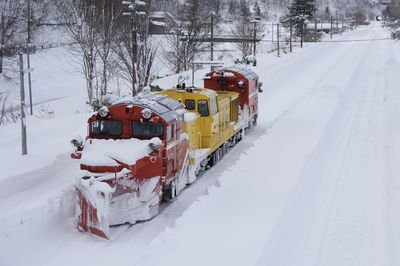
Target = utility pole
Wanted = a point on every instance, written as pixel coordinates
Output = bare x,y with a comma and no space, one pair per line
254,38
212,36
290,34
22,95
28,50
337,22
315,31
272,33
255,21
1,46
178,58
134,58
277,37
134,55
342,24
302,33
331,27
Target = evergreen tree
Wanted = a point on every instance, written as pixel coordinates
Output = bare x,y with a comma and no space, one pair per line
299,12
244,9
233,8
327,13
256,9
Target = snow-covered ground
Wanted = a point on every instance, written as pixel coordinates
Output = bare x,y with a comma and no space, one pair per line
315,183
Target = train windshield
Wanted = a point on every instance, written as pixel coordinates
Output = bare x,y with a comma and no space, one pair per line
147,130
107,128
202,108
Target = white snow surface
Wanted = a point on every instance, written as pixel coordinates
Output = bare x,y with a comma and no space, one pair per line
315,183
101,152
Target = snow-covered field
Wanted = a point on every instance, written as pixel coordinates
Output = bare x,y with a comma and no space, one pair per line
315,183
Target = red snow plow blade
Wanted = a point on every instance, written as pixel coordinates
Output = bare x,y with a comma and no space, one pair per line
114,201
92,210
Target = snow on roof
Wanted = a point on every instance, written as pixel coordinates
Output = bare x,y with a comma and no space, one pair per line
226,74
158,23
161,104
99,152
246,72
158,14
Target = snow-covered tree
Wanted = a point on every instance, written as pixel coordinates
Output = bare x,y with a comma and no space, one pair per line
256,9
244,9
299,12
244,29
14,24
233,8
327,13
186,46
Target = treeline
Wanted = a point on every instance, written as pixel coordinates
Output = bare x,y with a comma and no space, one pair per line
391,15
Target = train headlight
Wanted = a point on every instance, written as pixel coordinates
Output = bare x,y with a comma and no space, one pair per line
241,84
77,141
146,113
103,112
155,144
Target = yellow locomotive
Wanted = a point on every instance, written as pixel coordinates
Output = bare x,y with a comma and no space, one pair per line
211,122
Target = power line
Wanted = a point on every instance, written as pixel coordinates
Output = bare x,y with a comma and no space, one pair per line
339,41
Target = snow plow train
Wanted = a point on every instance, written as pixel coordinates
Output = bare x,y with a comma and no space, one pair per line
147,149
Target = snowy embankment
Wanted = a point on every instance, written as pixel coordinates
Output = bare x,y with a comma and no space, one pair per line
314,183
313,189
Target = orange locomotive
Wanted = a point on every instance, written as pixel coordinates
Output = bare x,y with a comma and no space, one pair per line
147,149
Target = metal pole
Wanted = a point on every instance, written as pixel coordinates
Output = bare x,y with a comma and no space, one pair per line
277,37
254,38
272,33
212,36
134,53
337,21
315,31
22,95
290,35
28,58
301,33
342,24
192,74
331,26
178,58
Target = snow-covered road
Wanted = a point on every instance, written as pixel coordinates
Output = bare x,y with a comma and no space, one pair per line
316,183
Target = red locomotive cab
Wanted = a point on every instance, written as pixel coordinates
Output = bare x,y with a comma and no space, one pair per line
132,155
243,81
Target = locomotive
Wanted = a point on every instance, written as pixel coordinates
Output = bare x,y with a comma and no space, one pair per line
147,149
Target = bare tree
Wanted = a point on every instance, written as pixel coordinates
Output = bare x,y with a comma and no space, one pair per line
8,113
135,51
14,23
10,20
106,22
185,46
173,53
244,29
79,18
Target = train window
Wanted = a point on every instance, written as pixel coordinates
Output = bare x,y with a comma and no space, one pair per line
190,104
107,127
147,130
169,133
202,108
213,107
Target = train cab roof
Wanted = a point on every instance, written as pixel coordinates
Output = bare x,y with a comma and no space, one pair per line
244,72
162,105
